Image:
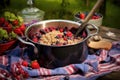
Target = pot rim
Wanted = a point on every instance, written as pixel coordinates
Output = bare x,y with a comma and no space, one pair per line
55,20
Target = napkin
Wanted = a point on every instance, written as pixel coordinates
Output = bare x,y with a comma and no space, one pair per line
98,64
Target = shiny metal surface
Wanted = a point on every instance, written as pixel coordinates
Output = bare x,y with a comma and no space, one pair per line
57,56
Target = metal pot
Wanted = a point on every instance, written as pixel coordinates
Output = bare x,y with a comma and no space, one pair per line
57,56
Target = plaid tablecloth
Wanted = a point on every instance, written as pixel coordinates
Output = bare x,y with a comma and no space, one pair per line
98,64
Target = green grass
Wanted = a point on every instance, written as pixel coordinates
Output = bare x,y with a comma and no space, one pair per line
53,10
112,18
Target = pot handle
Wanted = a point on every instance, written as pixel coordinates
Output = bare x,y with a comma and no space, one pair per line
94,27
28,43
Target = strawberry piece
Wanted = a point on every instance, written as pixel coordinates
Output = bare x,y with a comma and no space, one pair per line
35,39
8,28
18,31
65,38
22,28
2,20
25,63
5,24
69,34
15,22
35,64
82,16
61,29
25,75
59,35
18,77
95,17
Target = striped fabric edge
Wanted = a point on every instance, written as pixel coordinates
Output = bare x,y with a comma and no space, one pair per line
43,71
70,69
4,60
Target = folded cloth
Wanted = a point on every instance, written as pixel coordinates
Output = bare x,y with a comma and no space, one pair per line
93,67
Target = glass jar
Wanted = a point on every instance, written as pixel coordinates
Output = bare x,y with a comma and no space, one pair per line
32,14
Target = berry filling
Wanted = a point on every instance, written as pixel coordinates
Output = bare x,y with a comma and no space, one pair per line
57,36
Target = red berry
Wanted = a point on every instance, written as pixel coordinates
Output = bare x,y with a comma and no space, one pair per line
18,77
35,64
59,35
25,75
2,71
18,31
7,75
95,17
46,30
61,30
5,24
15,22
2,20
25,63
18,72
22,71
65,38
68,34
35,39
82,16
22,28
51,28
8,28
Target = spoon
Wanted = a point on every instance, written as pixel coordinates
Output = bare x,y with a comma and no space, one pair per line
88,17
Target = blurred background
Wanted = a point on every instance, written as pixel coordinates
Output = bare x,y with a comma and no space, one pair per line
65,9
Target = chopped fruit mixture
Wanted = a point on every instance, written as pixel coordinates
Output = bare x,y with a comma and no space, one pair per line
11,25
83,15
56,36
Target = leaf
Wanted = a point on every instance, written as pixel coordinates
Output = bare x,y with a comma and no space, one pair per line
7,14
20,19
6,36
13,35
11,19
12,16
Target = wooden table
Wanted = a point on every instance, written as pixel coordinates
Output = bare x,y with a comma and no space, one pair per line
103,30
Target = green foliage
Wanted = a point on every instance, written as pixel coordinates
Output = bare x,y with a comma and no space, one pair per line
5,35
12,35
20,19
11,17
53,9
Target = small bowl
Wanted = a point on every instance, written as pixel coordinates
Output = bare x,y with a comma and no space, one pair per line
96,22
